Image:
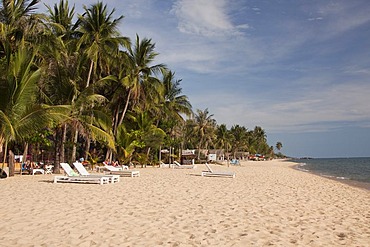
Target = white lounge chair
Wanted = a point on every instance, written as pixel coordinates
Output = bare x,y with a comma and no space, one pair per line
179,166
119,171
73,177
211,173
83,172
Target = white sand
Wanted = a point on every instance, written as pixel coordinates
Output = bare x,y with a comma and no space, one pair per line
267,204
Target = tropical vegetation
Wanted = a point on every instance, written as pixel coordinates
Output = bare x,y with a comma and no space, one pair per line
72,86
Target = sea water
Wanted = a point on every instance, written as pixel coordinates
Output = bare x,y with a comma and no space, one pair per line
346,169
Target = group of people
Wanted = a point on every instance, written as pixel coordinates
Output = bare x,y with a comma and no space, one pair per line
28,165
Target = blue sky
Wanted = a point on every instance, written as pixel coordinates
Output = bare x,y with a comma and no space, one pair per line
299,69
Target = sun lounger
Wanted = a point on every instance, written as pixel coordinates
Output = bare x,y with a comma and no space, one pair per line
81,179
83,172
179,166
121,172
211,173
73,177
37,170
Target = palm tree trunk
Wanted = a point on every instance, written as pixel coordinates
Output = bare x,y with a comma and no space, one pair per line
125,109
87,149
108,154
89,75
115,122
62,145
57,151
200,143
25,151
74,148
5,151
11,164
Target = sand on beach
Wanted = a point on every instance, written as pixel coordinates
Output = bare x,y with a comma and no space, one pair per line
267,204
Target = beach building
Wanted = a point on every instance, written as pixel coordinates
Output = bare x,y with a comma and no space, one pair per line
216,154
188,157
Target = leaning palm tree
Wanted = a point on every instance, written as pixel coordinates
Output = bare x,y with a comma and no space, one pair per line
135,74
139,70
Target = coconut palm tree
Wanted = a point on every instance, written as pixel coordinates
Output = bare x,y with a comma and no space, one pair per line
137,136
20,114
279,146
204,126
139,71
137,86
17,23
100,37
174,103
224,138
60,20
240,138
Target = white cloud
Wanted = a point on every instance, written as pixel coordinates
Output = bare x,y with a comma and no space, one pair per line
311,110
342,16
204,17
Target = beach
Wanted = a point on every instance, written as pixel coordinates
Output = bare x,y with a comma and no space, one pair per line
268,203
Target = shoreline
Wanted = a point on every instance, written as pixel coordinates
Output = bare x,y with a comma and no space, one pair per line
353,183
267,203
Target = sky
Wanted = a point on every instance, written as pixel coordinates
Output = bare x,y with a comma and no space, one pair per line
300,69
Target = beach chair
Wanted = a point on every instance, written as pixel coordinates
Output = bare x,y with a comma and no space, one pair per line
83,172
211,173
115,168
177,165
73,177
121,171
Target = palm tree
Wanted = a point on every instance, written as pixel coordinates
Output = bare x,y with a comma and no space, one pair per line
170,108
279,145
240,138
60,84
139,70
60,20
136,81
20,115
89,121
174,103
224,138
204,125
100,36
17,22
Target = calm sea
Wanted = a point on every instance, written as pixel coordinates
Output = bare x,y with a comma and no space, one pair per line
355,171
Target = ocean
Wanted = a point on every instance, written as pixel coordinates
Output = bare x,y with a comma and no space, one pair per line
354,171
